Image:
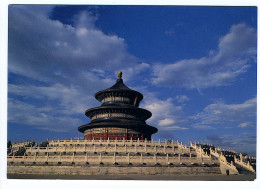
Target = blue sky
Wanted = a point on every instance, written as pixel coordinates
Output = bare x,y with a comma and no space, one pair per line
195,66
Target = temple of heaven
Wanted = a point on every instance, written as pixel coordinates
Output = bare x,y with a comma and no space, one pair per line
119,116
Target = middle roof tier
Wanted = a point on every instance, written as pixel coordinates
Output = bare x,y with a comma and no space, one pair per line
111,111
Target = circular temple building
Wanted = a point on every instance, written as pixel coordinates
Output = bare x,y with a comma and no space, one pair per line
119,116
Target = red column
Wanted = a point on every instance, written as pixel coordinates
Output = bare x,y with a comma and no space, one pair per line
142,136
106,136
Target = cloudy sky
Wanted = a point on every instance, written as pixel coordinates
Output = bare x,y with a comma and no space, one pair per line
195,66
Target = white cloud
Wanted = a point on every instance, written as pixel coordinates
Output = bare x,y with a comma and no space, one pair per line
70,100
242,115
241,144
181,98
174,128
246,125
166,121
42,48
235,50
28,114
165,114
133,73
203,127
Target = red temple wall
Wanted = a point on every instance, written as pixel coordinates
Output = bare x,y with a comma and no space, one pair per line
114,133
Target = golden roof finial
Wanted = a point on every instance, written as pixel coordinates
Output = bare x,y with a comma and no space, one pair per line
119,75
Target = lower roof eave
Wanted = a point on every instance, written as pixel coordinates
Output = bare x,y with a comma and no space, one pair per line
139,127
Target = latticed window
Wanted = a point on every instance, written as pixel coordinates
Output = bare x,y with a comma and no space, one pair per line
117,98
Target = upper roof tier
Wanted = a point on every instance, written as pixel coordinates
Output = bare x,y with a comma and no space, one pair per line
120,93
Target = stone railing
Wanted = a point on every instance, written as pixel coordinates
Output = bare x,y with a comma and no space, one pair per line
245,165
226,166
113,142
114,159
110,148
20,144
199,150
214,153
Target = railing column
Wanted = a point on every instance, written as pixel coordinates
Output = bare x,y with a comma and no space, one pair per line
114,158
86,157
241,157
128,158
155,159
100,158
152,142
159,142
73,157
235,159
